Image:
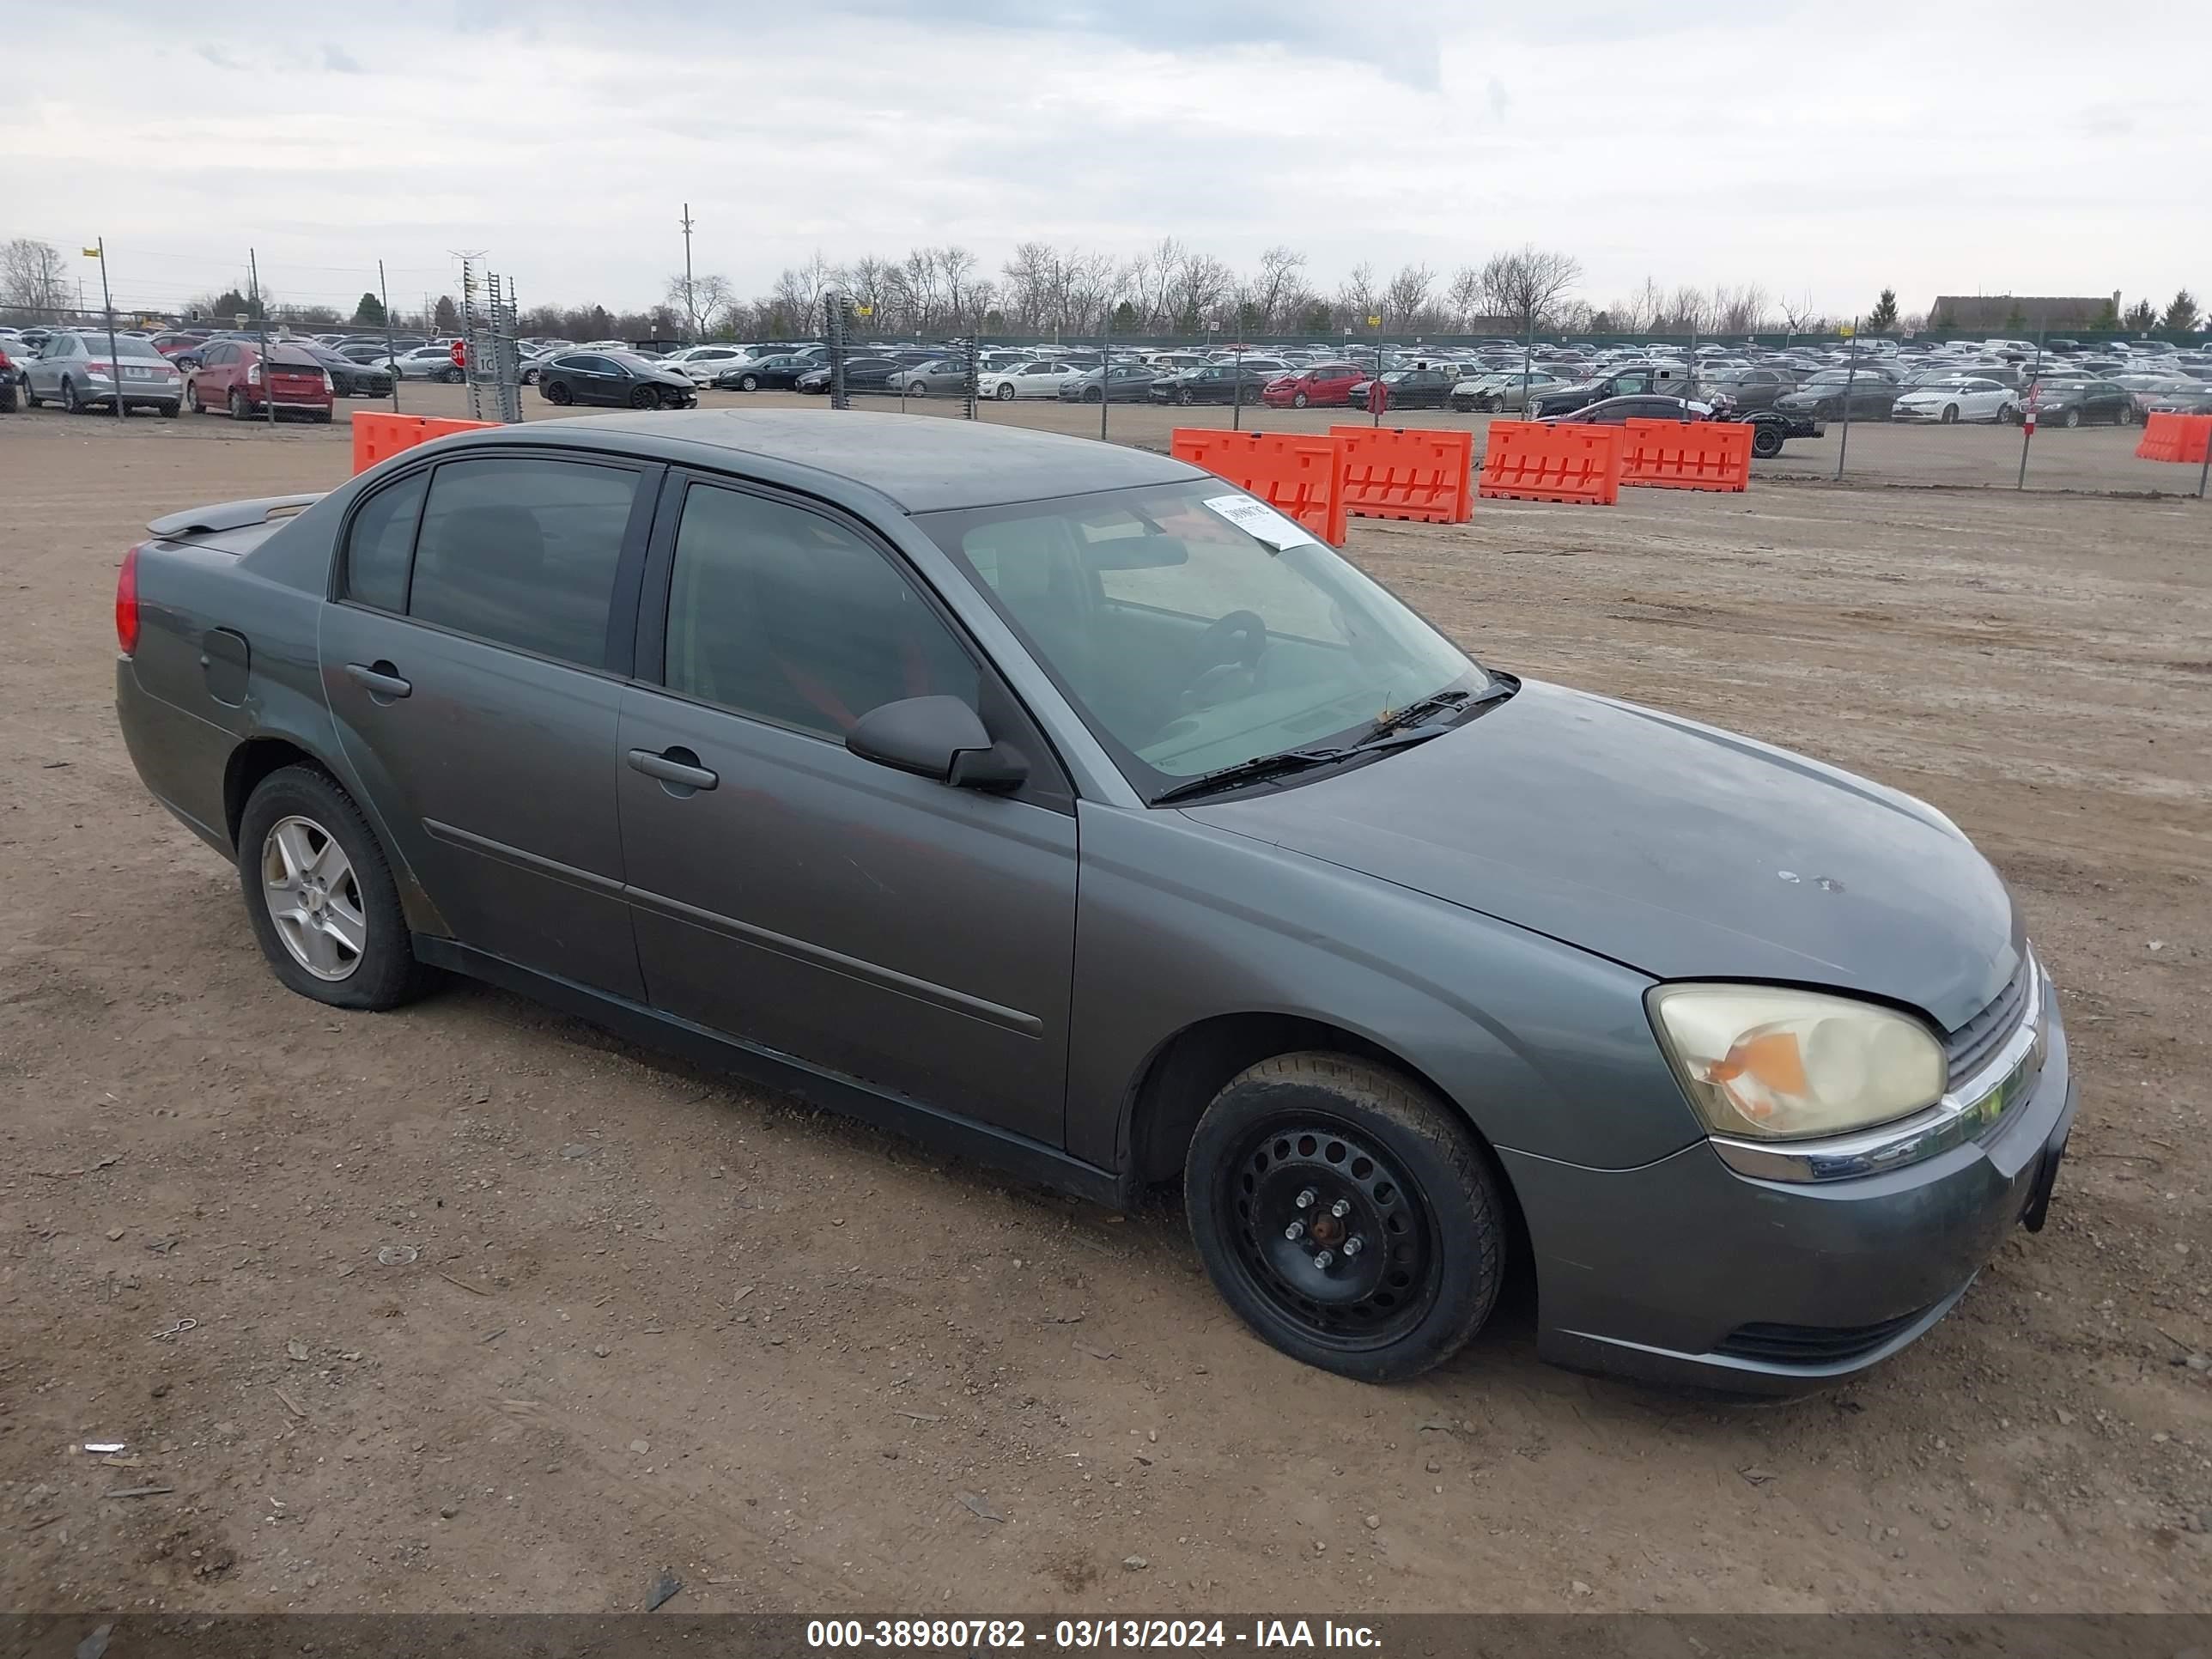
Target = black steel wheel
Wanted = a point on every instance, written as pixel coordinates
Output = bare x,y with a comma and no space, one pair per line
1349,1219
1765,440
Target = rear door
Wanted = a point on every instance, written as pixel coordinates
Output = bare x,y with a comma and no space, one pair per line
474,658
883,927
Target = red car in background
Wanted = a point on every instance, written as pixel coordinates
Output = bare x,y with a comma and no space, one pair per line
230,377
1327,384
8,374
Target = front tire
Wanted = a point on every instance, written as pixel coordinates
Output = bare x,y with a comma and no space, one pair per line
1348,1217
645,397
1950,414
1299,401
1006,394
749,383
1765,440
918,389
70,401
2072,418
319,894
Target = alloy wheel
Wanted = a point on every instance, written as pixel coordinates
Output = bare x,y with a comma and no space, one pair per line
313,897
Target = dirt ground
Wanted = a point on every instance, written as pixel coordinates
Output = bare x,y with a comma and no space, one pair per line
656,1322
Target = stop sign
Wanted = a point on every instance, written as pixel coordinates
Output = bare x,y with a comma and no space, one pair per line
460,354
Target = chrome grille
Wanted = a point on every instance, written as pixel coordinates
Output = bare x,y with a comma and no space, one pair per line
1970,1048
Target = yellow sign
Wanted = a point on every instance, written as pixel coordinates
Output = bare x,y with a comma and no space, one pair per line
1374,322
92,253
1847,330
864,310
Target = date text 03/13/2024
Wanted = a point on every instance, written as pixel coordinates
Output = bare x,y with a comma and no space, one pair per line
971,1634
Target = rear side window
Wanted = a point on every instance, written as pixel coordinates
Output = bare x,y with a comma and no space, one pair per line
381,543
523,552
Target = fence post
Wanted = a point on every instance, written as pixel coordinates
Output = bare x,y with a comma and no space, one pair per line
384,294
1105,375
2027,428
1851,377
967,384
833,335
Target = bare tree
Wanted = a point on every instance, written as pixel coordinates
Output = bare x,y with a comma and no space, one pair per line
701,299
867,280
1356,296
1741,310
1196,289
1800,317
1407,298
1271,295
1465,295
1528,284
32,276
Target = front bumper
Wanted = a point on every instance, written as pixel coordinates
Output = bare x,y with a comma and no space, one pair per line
1686,1272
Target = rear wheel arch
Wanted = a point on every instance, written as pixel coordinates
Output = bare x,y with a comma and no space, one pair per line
259,758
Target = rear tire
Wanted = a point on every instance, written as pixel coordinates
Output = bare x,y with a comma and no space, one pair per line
558,394
2127,414
454,376
1418,1193
383,972
237,409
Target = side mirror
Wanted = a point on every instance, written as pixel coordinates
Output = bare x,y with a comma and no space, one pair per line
939,739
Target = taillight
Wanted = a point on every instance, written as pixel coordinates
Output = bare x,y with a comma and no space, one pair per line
126,603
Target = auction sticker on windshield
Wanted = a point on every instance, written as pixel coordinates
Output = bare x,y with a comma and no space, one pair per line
1262,521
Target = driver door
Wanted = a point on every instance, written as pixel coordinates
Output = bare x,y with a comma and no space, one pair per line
878,926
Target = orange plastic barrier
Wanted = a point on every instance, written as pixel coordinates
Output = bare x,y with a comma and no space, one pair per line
2175,438
1529,461
1688,455
1394,472
1298,474
380,437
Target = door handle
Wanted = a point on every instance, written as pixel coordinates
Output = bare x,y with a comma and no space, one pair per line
677,767
382,678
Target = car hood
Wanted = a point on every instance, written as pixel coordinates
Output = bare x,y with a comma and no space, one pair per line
1678,849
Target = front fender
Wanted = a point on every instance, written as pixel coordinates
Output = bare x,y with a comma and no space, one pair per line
1545,1048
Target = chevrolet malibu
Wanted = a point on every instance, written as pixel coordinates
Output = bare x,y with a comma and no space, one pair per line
1067,808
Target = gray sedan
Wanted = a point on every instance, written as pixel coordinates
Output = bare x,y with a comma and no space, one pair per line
79,371
945,375
1065,807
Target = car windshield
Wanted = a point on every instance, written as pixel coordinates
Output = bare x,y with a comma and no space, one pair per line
1189,643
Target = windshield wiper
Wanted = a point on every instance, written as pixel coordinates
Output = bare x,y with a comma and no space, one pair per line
1421,709
1250,771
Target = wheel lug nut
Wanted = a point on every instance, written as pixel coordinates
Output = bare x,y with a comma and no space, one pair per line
1354,1245
1327,1258
1306,1198
1341,1208
1296,1230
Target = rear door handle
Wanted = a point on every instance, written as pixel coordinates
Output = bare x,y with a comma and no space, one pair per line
678,767
380,677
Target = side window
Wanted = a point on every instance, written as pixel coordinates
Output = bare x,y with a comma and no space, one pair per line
523,552
381,542
780,613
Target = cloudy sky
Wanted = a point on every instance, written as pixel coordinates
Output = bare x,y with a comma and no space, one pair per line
1818,150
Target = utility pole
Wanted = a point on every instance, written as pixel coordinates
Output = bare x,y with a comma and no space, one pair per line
690,302
107,305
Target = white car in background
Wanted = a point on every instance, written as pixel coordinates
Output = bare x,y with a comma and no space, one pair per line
701,364
1038,379
1963,399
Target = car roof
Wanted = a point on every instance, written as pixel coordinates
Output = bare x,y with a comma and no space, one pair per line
919,465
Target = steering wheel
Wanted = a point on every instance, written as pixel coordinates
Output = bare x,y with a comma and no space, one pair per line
1235,640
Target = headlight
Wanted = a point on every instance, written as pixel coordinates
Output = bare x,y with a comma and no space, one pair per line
1780,1065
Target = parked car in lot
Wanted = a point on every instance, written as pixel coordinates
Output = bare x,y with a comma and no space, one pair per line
233,377
1327,385
620,379
1947,402
427,362
2081,402
1123,383
1618,411
861,375
10,378
81,371
1041,379
1746,388
1409,388
701,364
1635,380
1501,389
934,377
348,377
1822,397
1746,1063
1243,382
777,373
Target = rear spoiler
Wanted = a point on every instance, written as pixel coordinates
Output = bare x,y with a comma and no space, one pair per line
231,515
